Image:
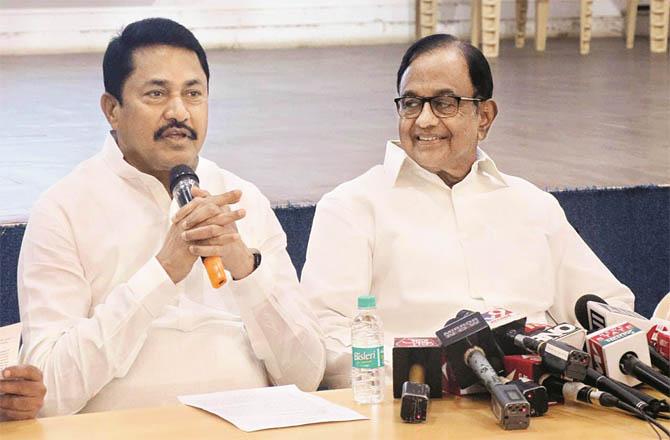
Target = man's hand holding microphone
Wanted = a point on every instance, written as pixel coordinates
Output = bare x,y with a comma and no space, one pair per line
204,227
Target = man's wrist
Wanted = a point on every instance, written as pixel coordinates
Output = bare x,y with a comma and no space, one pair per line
251,263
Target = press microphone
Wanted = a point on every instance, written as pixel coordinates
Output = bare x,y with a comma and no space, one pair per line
511,409
410,353
557,357
621,352
182,179
663,344
467,340
535,394
602,382
655,405
564,332
501,321
593,313
576,392
414,399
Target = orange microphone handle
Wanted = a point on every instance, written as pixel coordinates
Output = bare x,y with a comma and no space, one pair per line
215,271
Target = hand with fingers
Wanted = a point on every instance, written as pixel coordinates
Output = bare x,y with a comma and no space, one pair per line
202,228
22,392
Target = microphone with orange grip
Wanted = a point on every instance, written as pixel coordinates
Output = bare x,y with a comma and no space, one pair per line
182,179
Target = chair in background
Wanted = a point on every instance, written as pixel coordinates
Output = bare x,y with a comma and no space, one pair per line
485,24
426,18
658,24
659,14
542,18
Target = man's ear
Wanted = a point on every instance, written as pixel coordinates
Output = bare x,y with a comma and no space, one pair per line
110,107
488,110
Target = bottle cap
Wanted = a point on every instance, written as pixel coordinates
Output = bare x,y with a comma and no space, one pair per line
367,302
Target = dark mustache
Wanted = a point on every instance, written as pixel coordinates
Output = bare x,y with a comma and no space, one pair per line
176,124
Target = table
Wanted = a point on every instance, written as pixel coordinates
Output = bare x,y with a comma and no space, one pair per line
461,418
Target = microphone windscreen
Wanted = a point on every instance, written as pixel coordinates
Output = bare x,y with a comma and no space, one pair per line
180,171
581,310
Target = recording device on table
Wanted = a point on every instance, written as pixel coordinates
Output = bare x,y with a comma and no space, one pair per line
182,179
593,313
475,356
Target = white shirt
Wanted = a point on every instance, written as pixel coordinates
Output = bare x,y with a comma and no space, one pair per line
426,251
108,327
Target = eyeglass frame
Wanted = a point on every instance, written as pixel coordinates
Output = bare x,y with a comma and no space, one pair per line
429,100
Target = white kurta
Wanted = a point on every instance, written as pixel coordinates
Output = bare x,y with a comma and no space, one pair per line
108,327
426,251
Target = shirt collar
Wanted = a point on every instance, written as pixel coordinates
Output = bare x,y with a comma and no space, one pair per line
397,162
114,158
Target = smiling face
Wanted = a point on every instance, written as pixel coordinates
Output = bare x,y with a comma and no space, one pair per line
444,146
163,119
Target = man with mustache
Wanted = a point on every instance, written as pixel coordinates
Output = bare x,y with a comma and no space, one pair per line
117,309
438,228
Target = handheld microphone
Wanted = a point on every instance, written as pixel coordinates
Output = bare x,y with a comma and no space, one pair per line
563,332
621,352
557,357
535,394
182,179
501,321
602,382
469,329
466,338
510,408
655,405
414,399
576,392
408,354
593,313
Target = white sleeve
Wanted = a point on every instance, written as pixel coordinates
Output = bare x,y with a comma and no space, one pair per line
662,310
79,349
282,329
579,271
337,270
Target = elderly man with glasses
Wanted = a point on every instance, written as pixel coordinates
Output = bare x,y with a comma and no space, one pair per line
437,227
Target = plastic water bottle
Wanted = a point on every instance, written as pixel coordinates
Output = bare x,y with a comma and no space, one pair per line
367,350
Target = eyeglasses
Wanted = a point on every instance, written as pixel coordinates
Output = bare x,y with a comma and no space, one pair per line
444,106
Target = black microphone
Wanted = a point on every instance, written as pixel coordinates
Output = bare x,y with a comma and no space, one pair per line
466,339
557,357
535,394
415,396
593,313
621,352
576,392
182,179
655,405
602,382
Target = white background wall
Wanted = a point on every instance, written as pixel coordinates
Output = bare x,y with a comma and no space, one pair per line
60,26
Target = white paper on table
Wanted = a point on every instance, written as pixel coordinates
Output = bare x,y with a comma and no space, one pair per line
270,407
10,335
